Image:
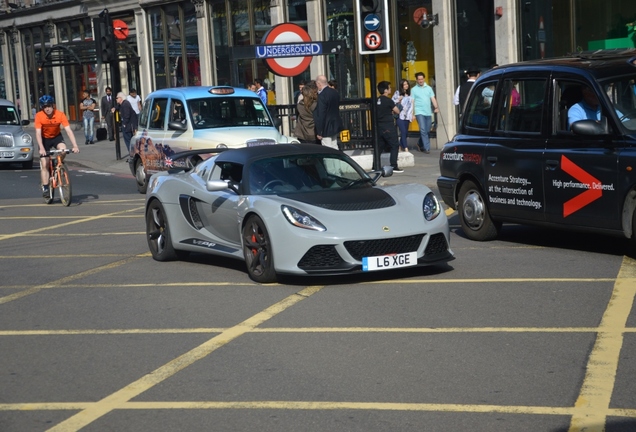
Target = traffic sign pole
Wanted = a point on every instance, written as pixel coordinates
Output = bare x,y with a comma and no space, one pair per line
377,161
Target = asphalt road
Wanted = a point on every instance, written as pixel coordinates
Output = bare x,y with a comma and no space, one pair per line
533,332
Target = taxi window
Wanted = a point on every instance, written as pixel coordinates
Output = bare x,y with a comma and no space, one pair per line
216,112
522,106
144,115
567,94
8,116
621,92
177,112
158,113
479,107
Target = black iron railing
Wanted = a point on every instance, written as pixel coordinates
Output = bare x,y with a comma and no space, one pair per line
356,118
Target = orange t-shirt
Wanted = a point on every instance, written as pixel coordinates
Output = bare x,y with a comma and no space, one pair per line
50,126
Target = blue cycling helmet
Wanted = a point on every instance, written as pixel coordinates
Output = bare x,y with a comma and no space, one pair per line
46,100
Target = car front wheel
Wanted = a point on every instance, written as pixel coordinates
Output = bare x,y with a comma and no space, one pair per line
257,249
473,214
158,233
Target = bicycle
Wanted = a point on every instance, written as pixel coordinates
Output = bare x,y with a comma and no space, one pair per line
58,177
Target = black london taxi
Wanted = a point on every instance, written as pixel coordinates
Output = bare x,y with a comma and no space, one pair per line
549,143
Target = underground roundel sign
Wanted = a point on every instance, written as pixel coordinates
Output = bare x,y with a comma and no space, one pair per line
287,60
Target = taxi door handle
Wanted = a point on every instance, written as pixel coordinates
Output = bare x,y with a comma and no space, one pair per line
492,159
551,165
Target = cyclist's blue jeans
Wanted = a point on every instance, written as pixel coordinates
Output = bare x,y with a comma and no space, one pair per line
89,125
424,122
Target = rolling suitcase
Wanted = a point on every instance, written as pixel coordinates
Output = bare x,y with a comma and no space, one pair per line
101,134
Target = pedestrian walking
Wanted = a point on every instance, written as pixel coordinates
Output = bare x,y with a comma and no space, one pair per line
385,112
261,91
327,114
106,108
305,129
127,117
135,102
424,106
461,94
87,107
403,100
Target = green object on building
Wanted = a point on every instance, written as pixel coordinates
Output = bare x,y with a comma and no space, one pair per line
626,42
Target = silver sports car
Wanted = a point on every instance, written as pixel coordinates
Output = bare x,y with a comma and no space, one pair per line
295,209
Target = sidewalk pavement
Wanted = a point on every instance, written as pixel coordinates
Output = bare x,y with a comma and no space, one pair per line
101,156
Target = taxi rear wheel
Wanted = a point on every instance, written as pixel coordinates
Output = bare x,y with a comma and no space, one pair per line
473,214
141,177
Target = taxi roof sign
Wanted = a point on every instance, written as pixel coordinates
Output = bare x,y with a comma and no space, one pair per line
221,90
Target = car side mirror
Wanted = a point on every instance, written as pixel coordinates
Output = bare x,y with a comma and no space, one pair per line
216,185
221,185
590,127
25,122
387,171
277,122
177,125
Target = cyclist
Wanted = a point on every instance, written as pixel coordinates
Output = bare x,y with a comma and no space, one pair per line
48,134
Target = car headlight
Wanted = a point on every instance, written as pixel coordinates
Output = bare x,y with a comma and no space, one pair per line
431,207
26,139
301,219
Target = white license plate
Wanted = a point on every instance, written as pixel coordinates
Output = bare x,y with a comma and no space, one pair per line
6,154
385,262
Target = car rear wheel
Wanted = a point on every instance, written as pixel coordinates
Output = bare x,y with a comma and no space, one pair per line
158,233
257,249
141,177
473,214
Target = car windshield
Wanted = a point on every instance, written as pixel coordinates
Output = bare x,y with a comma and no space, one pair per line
621,92
220,112
304,173
8,116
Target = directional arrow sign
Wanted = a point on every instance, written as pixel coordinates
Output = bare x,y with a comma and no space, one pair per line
591,194
372,22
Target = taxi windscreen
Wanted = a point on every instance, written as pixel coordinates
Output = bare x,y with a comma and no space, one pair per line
621,92
221,112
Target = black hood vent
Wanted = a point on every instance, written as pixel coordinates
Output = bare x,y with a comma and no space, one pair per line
346,200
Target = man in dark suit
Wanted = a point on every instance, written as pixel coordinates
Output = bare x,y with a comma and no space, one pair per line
327,114
106,108
127,117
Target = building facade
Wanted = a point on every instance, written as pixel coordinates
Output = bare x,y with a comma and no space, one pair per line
47,46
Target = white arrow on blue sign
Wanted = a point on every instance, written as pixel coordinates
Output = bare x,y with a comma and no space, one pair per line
372,22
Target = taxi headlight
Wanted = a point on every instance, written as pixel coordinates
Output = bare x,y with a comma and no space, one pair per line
301,219
26,139
431,207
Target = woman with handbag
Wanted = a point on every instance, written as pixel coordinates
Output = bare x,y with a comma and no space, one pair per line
305,129
404,102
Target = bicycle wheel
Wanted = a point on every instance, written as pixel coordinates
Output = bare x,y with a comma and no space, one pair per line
64,185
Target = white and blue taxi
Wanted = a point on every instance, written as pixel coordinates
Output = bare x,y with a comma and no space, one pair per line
192,118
